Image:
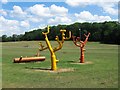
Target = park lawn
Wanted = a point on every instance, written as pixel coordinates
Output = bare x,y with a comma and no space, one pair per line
101,72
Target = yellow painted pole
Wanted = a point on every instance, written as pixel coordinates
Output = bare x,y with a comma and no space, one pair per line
53,57
52,51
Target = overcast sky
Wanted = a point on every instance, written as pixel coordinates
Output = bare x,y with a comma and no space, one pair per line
26,15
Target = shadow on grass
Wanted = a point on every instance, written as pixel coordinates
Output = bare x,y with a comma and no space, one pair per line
50,70
37,68
71,61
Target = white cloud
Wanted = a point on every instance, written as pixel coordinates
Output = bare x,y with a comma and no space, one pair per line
35,19
3,12
107,5
18,12
53,14
109,8
34,16
8,26
87,16
59,20
76,3
57,10
4,1
25,24
40,15
28,14
40,10
88,2
4,22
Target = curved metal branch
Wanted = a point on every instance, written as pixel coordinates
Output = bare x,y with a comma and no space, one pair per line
45,33
63,35
69,36
60,44
86,38
75,41
42,47
87,35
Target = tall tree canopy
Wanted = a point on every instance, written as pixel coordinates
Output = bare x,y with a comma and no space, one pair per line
104,32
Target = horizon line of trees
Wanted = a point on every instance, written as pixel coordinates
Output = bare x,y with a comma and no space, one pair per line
104,32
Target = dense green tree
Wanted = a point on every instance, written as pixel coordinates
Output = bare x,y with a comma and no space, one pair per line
104,32
4,38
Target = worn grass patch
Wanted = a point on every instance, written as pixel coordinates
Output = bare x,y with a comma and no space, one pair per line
49,70
87,62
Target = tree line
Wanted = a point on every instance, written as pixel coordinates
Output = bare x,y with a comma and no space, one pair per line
104,32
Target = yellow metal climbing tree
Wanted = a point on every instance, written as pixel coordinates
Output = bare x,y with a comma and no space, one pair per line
53,50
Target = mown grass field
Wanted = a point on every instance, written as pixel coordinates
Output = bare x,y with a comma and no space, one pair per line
102,72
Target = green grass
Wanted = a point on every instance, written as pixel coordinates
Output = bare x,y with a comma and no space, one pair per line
102,73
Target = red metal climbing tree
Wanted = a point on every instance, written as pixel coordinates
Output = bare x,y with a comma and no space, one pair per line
81,45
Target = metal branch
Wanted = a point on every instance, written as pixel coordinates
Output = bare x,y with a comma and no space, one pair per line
42,47
69,36
87,35
75,41
81,45
45,33
60,44
63,35
86,38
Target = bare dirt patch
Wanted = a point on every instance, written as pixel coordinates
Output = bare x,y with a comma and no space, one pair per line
51,71
87,62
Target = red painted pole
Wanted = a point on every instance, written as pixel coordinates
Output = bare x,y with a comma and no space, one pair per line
81,45
82,55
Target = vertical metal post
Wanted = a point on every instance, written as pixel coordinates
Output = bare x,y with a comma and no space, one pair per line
80,33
